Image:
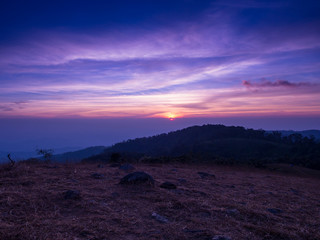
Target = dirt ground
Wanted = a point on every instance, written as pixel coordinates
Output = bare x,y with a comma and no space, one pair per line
239,203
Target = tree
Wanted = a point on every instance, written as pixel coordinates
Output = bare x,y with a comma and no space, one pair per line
46,153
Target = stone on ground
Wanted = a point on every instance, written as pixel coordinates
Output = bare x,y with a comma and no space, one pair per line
205,175
137,178
72,194
168,185
159,218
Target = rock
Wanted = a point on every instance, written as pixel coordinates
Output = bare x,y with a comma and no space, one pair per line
168,185
296,192
72,180
200,193
182,180
159,218
85,233
27,183
115,194
72,194
251,190
97,176
137,178
206,175
204,214
178,191
126,167
221,238
193,230
275,210
232,212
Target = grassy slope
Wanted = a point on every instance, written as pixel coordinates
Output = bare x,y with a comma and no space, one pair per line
77,156
234,204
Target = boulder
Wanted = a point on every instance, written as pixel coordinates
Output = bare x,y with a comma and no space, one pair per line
274,210
232,212
206,175
182,180
72,194
115,194
137,178
126,167
168,185
97,176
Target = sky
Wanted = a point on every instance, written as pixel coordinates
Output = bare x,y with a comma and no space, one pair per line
256,63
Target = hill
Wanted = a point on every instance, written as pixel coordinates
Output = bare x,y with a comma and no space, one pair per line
218,143
77,156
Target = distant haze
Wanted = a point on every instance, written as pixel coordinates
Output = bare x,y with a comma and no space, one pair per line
30,134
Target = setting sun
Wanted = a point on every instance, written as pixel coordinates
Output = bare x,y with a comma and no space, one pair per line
171,116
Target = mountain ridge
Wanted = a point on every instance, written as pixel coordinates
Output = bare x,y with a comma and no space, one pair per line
219,143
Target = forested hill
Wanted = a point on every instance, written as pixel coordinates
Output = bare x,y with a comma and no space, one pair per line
221,144
306,133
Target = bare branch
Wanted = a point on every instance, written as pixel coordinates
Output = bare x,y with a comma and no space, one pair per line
12,162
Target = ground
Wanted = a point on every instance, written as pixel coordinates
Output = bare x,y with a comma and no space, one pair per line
239,203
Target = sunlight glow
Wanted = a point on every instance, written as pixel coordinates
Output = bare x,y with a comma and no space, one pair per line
171,116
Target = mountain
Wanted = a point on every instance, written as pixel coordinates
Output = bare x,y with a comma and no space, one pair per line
78,155
218,143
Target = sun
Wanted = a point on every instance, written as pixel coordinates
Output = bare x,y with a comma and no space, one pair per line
171,116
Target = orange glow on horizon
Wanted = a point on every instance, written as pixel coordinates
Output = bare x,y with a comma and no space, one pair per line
171,116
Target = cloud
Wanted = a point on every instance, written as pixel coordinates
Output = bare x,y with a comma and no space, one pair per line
191,67
216,33
278,83
200,106
250,4
6,108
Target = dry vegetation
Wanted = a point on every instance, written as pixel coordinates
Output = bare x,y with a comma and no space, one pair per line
234,205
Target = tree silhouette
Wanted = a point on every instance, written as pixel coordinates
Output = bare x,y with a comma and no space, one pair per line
46,153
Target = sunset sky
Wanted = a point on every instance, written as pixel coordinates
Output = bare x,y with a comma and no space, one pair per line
173,59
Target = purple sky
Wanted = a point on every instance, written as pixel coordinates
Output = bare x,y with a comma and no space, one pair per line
183,59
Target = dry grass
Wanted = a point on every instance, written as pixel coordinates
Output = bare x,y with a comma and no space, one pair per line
234,204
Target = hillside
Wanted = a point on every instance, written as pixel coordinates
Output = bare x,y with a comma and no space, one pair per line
76,156
218,143
86,202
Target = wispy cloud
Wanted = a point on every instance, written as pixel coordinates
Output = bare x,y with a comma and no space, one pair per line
277,83
5,109
191,68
